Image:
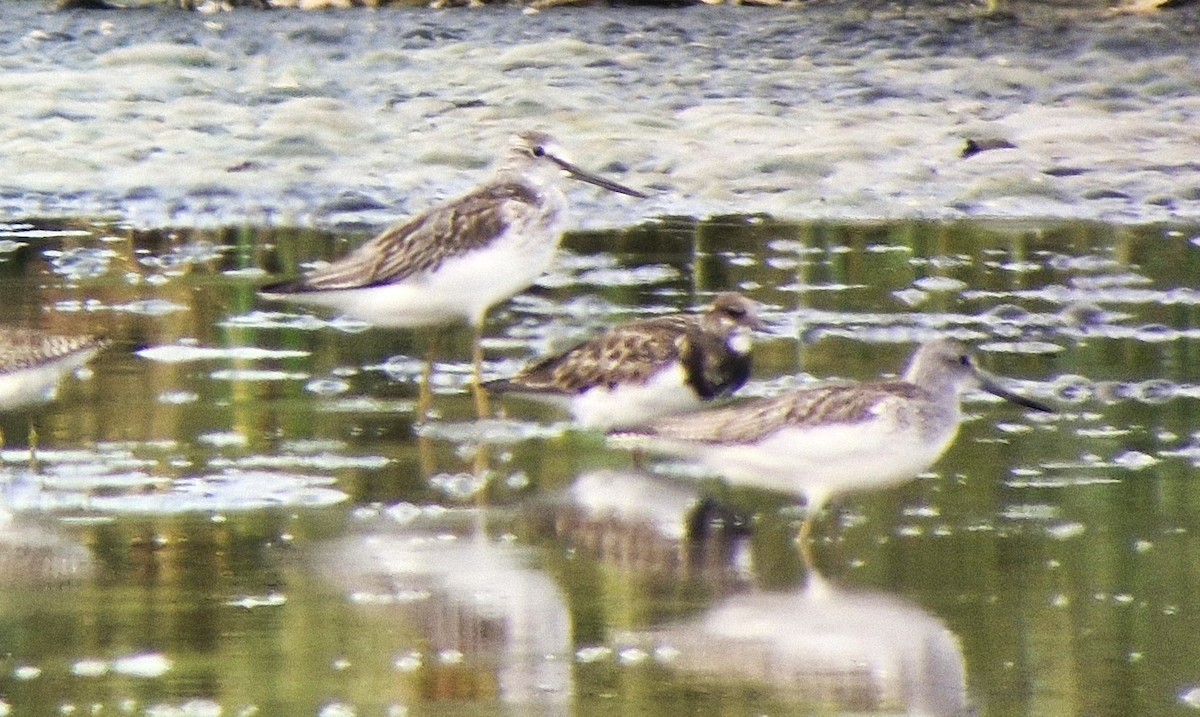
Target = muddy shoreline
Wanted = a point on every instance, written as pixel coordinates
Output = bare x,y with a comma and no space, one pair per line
828,111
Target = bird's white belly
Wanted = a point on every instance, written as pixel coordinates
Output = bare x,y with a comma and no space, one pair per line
460,289
631,405
39,383
828,460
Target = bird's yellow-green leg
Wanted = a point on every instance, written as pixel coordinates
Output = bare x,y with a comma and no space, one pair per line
482,405
425,388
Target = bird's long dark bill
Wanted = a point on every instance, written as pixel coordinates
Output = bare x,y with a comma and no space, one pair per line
581,175
996,390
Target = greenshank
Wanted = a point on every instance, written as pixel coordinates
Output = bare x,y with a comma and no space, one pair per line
454,261
633,373
825,441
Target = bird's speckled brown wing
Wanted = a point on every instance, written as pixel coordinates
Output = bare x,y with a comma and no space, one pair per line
630,353
805,408
422,243
26,348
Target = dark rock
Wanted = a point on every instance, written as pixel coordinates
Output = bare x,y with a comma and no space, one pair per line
973,147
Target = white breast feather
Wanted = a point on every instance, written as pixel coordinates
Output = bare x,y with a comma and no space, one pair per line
630,405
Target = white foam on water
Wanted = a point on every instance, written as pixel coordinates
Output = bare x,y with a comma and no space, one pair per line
847,129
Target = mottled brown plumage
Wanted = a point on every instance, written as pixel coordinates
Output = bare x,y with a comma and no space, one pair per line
454,261
752,422
32,363
22,349
625,354
424,242
632,353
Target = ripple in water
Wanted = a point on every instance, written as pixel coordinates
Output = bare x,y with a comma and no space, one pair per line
144,307
80,263
1020,347
232,491
1073,389
256,375
327,386
490,431
302,322
194,252
940,284
315,461
182,353
458,486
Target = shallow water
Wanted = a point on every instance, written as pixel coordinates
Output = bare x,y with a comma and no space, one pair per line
235,513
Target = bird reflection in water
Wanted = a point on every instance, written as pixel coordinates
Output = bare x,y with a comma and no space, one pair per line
488,622
831,647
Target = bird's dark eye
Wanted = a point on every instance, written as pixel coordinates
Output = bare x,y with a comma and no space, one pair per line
539,151
736,312
964,360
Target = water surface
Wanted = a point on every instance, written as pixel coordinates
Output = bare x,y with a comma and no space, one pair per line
236,512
